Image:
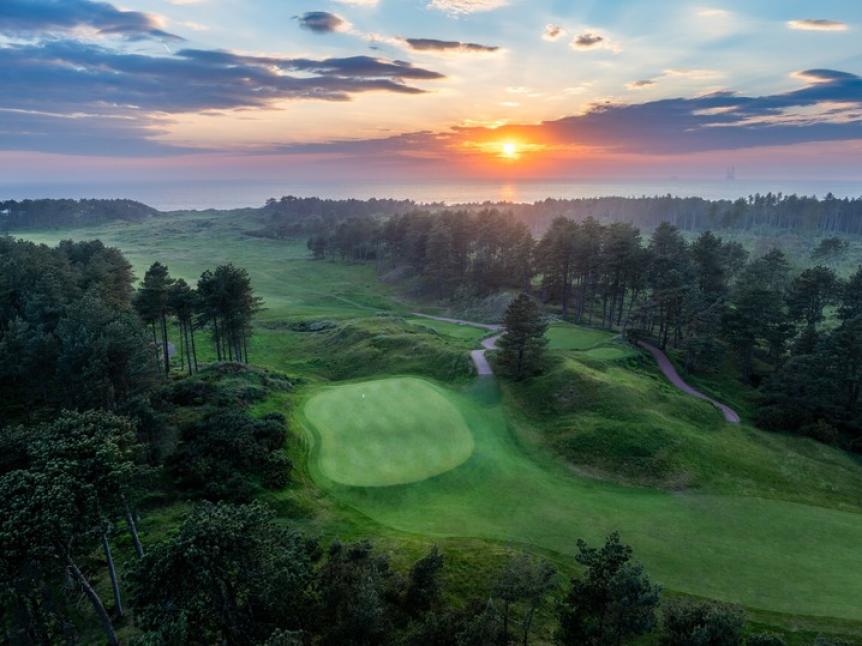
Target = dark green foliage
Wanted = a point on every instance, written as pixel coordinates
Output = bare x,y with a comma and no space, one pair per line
520,591
613,602
701,624
229,455
810,293
67,337
521,348
61,214
764,639
830,250
358,594
230,575
227,303
423,583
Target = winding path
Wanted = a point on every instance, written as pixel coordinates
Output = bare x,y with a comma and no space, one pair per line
673,377
488,343
664,364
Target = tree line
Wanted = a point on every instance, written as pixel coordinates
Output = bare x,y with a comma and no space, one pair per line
755,213
26,215
706,299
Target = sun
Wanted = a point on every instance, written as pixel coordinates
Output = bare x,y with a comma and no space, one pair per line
509,150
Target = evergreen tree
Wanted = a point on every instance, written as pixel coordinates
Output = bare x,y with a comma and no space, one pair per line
522,346
613,602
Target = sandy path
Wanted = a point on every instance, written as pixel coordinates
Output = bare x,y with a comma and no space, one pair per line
478,355
673,376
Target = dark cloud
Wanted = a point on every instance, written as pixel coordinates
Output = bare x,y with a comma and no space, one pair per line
434,45
817,24
641,83
586,41
34,17
321,22
46,85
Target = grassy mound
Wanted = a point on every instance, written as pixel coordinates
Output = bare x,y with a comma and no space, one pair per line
565,336
387,432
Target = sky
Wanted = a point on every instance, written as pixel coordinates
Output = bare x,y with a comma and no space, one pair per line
412,90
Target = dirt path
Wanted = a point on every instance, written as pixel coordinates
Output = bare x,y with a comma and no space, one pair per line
478,355
673,376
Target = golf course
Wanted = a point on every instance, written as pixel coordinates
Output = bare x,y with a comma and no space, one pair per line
403,439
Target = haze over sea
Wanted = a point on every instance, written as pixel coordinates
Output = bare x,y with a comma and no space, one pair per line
206,194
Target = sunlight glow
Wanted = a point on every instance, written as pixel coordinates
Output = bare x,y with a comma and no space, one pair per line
509,150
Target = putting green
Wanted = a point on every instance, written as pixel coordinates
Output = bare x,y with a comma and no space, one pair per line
387,432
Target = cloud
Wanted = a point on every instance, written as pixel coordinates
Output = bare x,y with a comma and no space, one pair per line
35,17
553,32
587,40
827,108
817,24
640,84
115,91
360,3
322,22
456,7
434,45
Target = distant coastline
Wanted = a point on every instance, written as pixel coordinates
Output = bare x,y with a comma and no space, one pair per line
213,194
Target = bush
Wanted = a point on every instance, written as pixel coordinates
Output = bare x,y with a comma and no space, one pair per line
701,624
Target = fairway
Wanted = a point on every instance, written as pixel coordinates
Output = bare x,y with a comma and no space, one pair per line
766,554
387,432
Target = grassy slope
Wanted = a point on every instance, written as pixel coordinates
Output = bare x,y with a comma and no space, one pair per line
742,462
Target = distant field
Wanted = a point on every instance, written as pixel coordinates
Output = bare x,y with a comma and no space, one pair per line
766,520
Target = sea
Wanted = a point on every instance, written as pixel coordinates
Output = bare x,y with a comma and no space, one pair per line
226,194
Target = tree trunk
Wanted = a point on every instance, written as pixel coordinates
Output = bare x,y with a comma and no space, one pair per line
217,338
133,529
194,350
93,596
185,328
155,342
112,570
165,344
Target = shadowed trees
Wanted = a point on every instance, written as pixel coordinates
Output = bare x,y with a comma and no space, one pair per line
612,602
522,345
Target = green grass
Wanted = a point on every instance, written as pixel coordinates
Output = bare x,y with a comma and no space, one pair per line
467,333
600,442
771,554
565,336
387,432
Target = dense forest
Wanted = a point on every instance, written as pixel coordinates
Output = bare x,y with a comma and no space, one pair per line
30,215
291,216
830,215
781,329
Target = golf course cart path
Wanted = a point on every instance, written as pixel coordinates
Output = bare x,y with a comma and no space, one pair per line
673,376
483,368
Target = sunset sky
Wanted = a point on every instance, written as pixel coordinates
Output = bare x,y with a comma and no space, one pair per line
414,89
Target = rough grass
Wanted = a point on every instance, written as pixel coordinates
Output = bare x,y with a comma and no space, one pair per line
387,432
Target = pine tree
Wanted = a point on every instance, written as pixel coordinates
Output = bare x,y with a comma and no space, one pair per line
523,343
